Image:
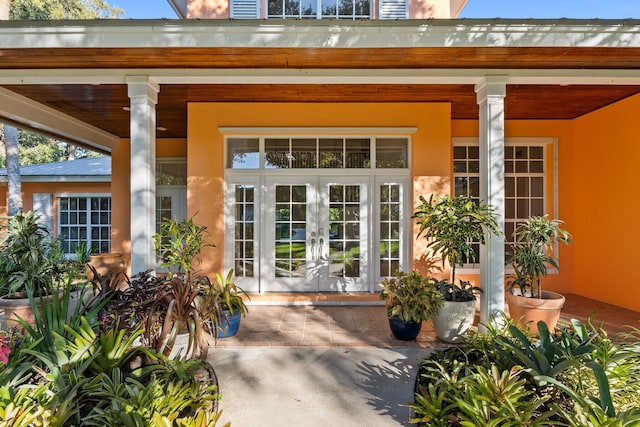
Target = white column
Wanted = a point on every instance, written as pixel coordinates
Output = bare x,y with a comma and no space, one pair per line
143,93
490,96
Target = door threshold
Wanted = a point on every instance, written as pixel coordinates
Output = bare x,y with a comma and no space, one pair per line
315,299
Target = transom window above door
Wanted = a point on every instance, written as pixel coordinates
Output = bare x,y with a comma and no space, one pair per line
320,9
318,153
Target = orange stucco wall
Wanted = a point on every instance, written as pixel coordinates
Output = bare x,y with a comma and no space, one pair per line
30,188
430,143
603,197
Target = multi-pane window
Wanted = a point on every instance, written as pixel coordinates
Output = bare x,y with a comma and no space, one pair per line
171,173
244,240
344,230
318,153
317,9
390,222
290,231
524,177
85,220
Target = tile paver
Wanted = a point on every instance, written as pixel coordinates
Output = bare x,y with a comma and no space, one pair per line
365,325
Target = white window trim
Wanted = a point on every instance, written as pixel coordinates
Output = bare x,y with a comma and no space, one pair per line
376,176
348,171
517,141
405,223
58,196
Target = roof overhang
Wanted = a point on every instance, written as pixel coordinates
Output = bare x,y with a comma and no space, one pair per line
21,111
320,34
80,68
180,7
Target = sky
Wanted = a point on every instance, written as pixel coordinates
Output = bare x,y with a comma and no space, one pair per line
142,9
605,9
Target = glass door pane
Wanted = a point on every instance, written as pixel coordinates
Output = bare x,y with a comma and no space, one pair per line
343,231
291,243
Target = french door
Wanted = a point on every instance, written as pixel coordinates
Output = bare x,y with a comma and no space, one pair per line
315,234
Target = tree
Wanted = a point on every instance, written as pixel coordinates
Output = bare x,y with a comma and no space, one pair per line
62,9
41,9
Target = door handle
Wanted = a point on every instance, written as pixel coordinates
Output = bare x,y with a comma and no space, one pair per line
313,246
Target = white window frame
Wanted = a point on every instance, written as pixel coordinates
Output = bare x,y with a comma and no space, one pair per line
59,225
373,137
405,223
514,142
376,176
319,14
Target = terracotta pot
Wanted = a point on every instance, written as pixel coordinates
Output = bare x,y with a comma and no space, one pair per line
19,308
528,311
105,263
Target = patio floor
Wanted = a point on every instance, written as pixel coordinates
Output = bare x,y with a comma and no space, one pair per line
312,320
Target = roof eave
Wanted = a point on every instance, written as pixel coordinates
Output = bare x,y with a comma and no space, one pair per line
321,34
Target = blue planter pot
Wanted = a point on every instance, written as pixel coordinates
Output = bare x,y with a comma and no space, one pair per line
228,324
405,331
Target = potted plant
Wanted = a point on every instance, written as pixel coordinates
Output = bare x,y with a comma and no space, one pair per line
177,309
224,305
411,299
179,244
452,225
32,266
533,253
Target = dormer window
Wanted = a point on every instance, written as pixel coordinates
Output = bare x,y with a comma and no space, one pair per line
320,9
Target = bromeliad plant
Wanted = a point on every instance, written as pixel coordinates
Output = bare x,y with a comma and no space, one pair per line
69,371
508,377
534,252
221,299
31,261
452,225
411,297
177,307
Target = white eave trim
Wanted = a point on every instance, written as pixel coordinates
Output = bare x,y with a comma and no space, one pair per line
179,7
21,111
317,130
321,76
60,178
320,34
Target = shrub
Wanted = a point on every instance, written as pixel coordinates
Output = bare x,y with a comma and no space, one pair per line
507,377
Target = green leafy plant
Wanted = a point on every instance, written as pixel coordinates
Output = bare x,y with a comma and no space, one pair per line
452,226
79,374
228,294
179,244
30,259
221,299
411,297
506,376
464,291
534,252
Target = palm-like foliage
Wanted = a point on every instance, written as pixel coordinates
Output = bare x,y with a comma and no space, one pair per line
30,260
534,252
452,225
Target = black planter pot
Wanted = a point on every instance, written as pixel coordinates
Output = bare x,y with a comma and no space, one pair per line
405,331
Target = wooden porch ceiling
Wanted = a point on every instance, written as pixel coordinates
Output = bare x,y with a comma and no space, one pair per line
103,105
